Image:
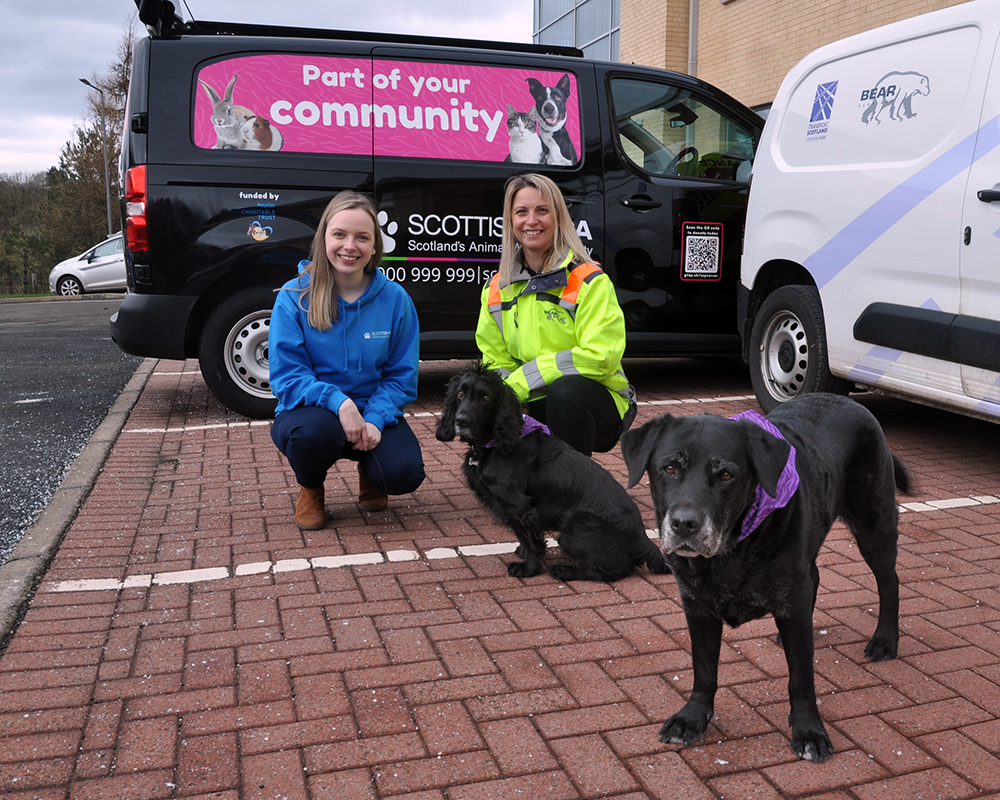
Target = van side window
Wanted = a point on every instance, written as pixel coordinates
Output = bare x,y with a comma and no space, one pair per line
665,130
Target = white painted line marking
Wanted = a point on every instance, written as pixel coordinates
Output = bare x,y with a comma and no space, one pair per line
391,556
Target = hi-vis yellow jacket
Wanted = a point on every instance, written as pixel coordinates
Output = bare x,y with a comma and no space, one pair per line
564,322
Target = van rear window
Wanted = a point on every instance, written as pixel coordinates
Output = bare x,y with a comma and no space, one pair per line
416,109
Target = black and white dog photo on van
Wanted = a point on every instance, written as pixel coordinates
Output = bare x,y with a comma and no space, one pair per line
550,104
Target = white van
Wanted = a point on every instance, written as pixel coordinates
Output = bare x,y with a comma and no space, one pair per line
872,249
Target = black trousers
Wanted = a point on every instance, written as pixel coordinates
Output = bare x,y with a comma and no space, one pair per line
581,412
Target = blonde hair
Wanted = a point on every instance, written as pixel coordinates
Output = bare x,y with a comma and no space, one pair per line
565,239
322,289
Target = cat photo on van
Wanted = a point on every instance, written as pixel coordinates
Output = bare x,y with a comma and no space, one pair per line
525,143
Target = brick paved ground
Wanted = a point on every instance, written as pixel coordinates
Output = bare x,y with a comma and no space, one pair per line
211,649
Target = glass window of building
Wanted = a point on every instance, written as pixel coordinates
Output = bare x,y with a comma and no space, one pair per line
591,25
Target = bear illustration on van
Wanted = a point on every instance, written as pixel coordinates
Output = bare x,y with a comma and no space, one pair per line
894,91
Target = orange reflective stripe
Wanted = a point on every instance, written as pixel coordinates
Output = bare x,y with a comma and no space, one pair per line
493,298
577,277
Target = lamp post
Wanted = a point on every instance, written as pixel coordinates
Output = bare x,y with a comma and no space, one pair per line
104,139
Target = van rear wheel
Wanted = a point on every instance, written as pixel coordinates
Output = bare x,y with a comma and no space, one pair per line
788,349
233,352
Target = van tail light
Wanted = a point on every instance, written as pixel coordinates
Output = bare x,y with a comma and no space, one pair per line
135,210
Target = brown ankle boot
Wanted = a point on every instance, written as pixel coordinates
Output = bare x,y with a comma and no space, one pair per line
369,498
310,515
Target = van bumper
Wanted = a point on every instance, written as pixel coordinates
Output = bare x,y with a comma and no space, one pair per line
152,325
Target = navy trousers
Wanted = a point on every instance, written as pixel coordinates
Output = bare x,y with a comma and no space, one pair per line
313,440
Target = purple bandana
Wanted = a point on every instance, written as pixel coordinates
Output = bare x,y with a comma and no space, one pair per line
530,426
763,503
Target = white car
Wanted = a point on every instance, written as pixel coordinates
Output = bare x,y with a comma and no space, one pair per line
99,269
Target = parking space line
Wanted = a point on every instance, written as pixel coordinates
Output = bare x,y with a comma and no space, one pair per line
391,556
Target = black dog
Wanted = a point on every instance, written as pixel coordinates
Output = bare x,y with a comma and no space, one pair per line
534,482
550,103
739,553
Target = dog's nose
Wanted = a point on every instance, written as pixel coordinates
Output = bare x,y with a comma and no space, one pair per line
685,522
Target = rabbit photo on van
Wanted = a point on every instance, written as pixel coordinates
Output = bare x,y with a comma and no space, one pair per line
227,118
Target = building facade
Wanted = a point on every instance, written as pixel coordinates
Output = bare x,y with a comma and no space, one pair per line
745,47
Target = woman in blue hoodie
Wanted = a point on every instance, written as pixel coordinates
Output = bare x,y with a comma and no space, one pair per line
343,351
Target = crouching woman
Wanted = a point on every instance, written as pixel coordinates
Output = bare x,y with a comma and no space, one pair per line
344,354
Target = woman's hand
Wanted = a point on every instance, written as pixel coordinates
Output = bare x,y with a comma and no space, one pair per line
362,435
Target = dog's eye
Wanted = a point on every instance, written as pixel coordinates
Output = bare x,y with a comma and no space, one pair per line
487,398
670,469
725,475
460,394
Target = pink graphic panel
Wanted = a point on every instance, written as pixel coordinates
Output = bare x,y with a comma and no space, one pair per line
315,104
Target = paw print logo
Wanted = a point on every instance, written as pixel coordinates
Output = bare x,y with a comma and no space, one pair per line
389,244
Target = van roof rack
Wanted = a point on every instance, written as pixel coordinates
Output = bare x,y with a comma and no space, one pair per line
162,22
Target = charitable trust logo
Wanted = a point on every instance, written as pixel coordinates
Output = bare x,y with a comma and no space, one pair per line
822,110
552,315
377,334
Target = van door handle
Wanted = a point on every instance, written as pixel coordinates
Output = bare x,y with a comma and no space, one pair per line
643,202
988,195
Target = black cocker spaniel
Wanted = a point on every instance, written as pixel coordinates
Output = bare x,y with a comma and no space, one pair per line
534,482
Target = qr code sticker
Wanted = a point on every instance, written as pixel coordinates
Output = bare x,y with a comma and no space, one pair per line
701,254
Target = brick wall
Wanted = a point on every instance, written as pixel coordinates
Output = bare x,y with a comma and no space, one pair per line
746,47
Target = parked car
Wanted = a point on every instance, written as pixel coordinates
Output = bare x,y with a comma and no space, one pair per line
238,135
99,269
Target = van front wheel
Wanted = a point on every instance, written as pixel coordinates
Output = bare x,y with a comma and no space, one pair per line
788,350
233,352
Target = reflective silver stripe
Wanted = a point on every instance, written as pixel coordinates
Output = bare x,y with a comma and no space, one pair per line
497,317
570,307
504,373
564,360
533,375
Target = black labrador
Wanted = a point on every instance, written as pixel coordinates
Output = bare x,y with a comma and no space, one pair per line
742,516
534,482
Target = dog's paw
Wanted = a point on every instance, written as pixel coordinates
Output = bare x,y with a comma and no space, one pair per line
882,648
521,569
685,727
812,745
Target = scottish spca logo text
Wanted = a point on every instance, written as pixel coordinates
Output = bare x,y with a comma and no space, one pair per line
892,97
378,334
822,110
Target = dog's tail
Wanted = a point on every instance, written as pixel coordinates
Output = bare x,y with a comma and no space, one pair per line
655,562
901,476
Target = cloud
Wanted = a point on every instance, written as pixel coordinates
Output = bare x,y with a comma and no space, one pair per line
48,45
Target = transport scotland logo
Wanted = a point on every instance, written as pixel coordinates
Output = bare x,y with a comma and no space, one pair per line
823,103
822,109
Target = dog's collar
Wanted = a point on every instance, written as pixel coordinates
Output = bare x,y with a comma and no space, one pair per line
788,483
530,426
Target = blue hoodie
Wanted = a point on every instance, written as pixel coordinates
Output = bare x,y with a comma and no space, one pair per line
371,353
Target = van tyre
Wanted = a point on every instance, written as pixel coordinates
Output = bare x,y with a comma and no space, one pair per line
788,350
233,352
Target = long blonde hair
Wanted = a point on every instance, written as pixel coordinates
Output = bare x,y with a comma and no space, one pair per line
565,237
322,289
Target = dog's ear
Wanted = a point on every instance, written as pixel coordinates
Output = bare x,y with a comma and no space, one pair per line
508,422
638,444
534,86
445,431
768,456
563,85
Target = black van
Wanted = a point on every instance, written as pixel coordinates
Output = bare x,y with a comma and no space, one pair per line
238,135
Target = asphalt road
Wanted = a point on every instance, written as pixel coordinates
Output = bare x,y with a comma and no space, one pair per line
60,373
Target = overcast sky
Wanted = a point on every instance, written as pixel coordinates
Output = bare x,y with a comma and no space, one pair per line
46,46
